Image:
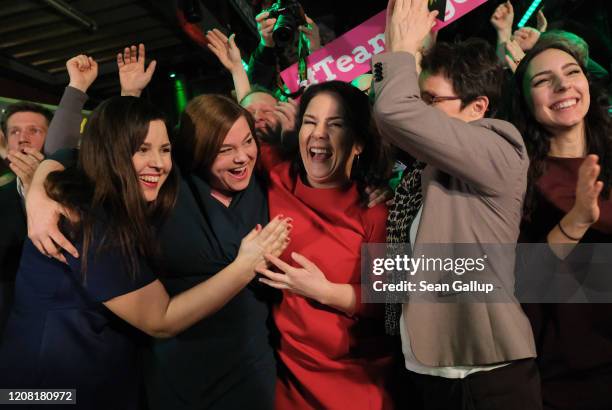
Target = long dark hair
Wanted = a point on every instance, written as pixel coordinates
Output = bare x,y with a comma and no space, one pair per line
105,185
373,167
598,126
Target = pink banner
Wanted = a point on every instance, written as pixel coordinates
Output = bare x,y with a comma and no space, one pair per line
349,56
344,58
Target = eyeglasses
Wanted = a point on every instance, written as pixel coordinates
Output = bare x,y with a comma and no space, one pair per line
34,131
430,99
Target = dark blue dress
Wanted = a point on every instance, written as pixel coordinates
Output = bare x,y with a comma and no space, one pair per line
60,335
225,361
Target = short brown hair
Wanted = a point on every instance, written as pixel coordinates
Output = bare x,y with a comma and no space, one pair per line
204,125
24,106
471,66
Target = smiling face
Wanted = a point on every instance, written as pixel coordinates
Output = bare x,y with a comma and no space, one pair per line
326,148
556,90
153,162
233,167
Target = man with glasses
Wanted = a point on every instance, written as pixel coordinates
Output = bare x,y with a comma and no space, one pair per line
468,189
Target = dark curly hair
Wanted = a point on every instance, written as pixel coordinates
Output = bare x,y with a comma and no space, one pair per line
472,67
374,165
598,126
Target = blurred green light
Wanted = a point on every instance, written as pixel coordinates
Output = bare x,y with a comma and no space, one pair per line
172,75
529,13
180,95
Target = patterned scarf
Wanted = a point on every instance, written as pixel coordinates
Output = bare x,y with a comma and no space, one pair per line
406,204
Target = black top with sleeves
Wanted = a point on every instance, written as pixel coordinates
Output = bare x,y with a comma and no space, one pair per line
229,353
60,335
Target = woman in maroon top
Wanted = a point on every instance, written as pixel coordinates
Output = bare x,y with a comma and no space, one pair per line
568,133
333,349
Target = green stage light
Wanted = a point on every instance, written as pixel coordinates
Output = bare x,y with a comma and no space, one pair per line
529,13
180,95
172,75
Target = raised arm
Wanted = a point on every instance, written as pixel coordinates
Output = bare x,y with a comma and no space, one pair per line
262,63
65,128
311,31
229,55
514,54
502,20
133,76
526,37
64,132
483,155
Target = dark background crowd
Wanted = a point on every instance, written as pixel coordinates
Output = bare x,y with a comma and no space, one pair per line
36,39
220,233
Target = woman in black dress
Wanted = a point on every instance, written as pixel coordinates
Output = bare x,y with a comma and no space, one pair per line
68,329
226,359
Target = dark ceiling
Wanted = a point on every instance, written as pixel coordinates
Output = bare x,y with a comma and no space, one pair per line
36,39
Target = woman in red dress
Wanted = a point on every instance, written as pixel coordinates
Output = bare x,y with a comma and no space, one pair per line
333,349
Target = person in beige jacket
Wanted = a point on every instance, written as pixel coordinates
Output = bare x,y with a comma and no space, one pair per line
461,355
